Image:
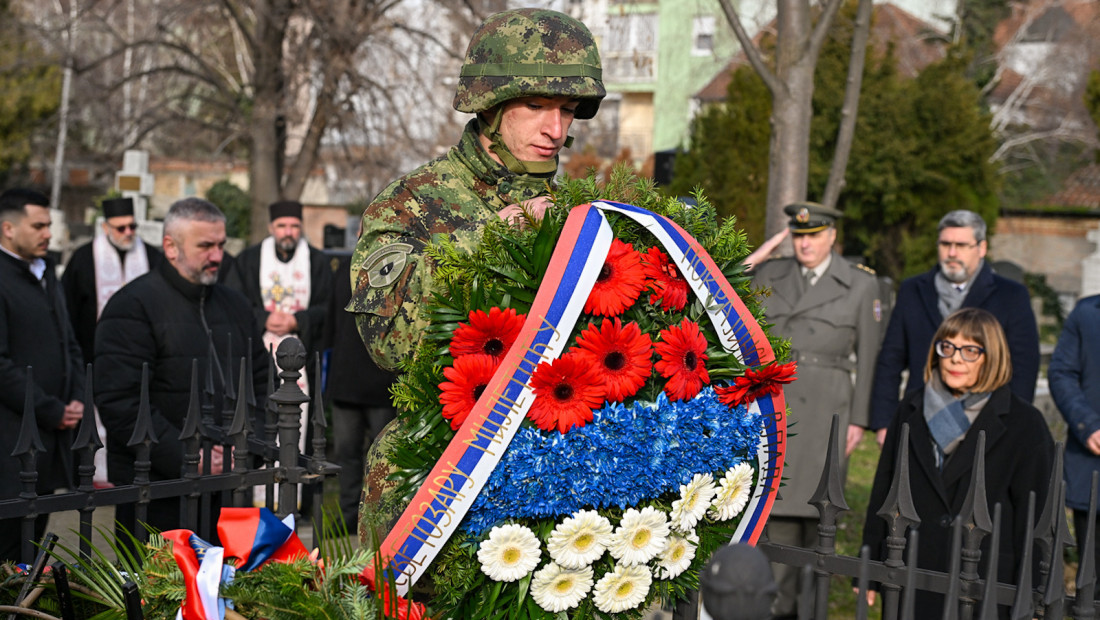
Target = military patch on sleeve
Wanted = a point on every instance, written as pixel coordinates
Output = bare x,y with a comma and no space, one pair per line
878,311
385,264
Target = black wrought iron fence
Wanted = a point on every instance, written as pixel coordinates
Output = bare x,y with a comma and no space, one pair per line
1040,590
266,457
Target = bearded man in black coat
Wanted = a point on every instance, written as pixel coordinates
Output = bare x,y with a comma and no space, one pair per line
34,332
167,318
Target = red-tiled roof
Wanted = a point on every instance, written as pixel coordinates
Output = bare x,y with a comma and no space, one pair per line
1081,189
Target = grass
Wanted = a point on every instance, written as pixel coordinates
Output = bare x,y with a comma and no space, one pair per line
857,491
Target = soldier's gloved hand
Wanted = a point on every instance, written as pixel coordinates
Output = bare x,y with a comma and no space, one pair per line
520,214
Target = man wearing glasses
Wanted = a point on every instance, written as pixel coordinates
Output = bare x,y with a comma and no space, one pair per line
961,279
99,268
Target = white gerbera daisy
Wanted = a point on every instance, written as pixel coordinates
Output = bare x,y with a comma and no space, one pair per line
641,536
734,493
624,588
677,556
695,498
579,540
556,589
510,552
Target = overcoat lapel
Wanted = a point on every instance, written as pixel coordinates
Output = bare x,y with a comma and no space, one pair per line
787,288
832,284
920,449
981,289
926,289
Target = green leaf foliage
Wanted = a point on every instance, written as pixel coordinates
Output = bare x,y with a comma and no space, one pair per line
236,204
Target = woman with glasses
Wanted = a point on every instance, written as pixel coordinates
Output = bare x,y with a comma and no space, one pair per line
965,393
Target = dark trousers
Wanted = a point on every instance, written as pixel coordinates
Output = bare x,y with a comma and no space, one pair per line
11,538
795,532
354,428
1080,528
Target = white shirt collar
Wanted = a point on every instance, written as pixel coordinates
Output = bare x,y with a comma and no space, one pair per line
37,265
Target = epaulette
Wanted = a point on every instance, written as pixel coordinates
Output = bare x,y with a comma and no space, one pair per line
863,267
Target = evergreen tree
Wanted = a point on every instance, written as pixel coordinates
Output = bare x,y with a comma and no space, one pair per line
31,87
728,158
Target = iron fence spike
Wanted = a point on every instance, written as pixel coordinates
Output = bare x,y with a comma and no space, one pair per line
86,434
29,442
251,387
241,424
989,595
143,425
829,496
192,422
1023,607
1054,593
975,508
898,509
1045,526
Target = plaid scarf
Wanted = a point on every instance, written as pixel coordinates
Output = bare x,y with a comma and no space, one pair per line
948,416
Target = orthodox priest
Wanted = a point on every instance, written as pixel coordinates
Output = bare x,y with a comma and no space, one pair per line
99,268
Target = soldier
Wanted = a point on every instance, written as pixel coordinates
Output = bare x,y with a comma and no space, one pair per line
830,310
501,167
527,75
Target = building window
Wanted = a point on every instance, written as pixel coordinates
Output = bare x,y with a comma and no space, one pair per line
702,36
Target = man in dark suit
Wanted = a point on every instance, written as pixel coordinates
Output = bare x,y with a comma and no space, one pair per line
830,309
962,278
35,332
1075,385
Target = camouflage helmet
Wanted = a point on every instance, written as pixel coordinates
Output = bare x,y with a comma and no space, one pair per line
530,52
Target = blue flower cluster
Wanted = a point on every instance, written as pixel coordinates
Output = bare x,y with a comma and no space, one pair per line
626,454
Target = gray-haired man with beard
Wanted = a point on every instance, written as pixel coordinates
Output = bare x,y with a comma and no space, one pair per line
168,317
962,279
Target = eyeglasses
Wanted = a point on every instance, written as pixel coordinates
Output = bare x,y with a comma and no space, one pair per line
969,353
123,228
954,245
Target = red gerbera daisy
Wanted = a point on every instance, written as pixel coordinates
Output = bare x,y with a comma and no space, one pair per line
683,350
756,383
467,379
491,334
670,289
622,353
566,391
620,281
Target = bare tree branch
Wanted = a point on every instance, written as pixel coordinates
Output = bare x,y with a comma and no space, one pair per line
750,50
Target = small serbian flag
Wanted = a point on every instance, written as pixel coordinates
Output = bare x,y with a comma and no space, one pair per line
203,571
256,535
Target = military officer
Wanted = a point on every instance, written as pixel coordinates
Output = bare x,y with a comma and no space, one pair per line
527,75
830,310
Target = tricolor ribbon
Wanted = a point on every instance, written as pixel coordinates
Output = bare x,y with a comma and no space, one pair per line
442,501
254,536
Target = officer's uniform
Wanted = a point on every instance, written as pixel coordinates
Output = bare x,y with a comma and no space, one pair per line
827,322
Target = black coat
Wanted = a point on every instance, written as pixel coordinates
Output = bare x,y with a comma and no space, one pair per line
162,319
1019,454
916,318
80,293
35,331
245,277
353,377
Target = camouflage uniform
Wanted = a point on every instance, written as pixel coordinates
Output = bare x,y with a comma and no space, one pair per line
513,54
449,198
